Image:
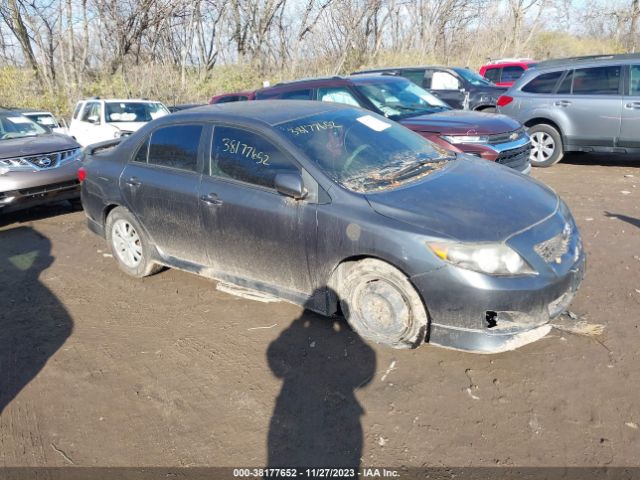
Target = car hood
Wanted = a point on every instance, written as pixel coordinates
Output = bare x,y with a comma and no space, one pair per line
461,122
128,126
25,146
469,201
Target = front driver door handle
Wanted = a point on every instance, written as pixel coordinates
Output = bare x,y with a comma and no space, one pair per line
562,103
211,199
632,106
133,182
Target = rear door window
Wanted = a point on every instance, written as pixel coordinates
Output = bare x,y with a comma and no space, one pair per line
416,76
596,81
175,147
337,95
492,74
634,80
511,74
247,157
544,83
304,94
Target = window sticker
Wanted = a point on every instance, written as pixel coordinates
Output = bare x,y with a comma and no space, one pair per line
373,123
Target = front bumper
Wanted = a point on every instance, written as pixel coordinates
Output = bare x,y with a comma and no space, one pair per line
475,312
25,189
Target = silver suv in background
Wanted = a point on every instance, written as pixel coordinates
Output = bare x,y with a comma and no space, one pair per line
581,104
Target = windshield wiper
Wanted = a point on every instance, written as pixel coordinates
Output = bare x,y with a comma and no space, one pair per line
433,164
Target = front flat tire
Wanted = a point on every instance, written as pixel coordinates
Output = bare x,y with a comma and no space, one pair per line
381,305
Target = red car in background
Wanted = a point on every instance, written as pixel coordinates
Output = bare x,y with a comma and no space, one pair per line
232,97
506,71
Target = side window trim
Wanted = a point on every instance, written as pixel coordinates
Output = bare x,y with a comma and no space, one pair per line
213,161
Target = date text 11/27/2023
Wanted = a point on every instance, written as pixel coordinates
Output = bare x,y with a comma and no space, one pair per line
314,473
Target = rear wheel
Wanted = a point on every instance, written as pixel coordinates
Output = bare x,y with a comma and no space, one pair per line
381,305
129,245
546,144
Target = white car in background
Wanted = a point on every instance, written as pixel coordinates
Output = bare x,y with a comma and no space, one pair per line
96,120
48,120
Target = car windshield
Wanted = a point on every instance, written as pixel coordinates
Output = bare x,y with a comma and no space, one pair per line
14,125
364,152
473,78
399,98
134,111
44,119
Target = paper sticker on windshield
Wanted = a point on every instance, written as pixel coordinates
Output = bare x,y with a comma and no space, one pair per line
373,123
19,119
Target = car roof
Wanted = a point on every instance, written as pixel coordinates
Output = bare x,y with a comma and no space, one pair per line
413,67
270,112
586,60
329,81
509,64
123,100
25,111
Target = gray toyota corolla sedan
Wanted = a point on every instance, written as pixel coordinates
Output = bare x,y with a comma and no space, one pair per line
36,166
336,208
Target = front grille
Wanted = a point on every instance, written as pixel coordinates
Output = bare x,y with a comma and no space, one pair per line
50,160
505,137
555,248
43,189
515,156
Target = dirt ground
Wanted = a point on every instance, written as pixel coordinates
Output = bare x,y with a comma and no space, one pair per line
99,369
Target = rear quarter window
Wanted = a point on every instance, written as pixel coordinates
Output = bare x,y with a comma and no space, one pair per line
544,83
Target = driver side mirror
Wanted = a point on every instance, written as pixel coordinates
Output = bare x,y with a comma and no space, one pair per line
93,119
291,185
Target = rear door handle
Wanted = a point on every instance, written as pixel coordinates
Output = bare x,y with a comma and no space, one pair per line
632,106
562,103
133,182
211,199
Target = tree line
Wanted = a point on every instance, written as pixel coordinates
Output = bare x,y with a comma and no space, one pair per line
71,44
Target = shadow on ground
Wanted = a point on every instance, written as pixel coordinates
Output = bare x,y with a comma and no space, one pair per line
39,213
316,420
602,159
33,323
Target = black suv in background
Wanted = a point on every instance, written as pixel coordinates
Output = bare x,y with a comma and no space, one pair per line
451,85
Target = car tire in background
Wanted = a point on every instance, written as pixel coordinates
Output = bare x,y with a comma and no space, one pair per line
129,245
381,305
546,143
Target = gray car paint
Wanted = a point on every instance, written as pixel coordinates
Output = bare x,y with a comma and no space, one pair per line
260,239
603,123
45,185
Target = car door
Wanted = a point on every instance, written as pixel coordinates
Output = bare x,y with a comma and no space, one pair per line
446,86
594,107
250,230
81,126
630,125
160,185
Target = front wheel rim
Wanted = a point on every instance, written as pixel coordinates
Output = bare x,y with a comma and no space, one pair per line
383,309
126,243
543,147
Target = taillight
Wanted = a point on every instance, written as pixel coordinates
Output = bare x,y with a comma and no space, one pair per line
82,174
504,100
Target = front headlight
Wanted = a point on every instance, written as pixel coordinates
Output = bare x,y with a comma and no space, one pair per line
455,139
491,258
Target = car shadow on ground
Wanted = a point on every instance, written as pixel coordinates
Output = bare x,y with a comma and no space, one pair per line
316,419
602,159
33,322
625,218
39,213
